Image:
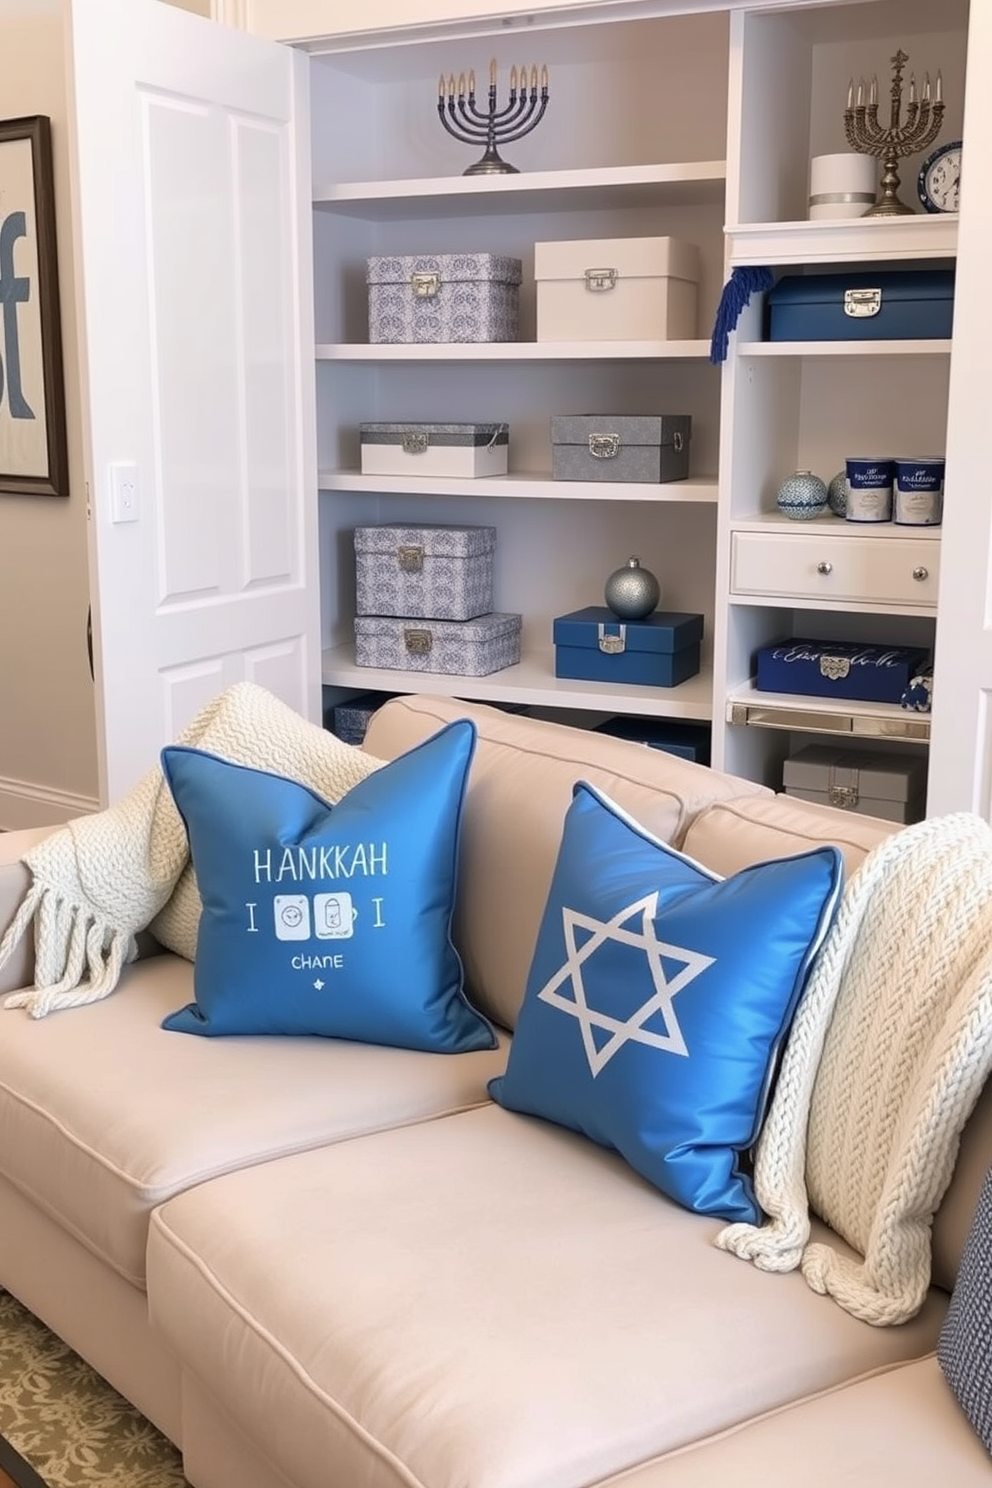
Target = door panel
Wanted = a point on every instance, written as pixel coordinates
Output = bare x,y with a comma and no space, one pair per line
193,244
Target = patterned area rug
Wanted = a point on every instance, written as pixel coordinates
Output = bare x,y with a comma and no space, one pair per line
66,1422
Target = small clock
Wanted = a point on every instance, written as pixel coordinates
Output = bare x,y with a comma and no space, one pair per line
939,182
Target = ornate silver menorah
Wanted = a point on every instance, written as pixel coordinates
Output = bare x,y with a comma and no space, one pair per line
461,116
865,134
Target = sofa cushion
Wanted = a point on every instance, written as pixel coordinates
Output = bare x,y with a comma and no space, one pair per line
519,790
103,1114
310,910
900,1426
487,1300
730,835
965,1345
658,999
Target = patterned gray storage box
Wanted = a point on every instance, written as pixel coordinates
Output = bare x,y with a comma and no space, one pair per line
439,297
469,648
424,573
620,447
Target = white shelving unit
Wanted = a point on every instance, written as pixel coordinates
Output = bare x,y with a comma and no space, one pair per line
700,125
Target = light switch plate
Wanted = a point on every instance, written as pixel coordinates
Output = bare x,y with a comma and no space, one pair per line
123,492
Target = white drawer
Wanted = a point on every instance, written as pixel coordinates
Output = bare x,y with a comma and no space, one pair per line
813,568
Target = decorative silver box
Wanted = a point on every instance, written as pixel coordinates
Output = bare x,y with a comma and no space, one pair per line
458,450
620,447
468,648
426,572
437,297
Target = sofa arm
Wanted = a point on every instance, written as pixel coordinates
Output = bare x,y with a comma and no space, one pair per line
15,880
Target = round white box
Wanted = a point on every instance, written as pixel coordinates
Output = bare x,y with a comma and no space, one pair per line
841,185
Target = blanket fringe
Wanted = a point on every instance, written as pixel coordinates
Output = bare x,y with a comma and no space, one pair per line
91,946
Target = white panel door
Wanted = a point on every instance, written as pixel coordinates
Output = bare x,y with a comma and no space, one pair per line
961,741
193,250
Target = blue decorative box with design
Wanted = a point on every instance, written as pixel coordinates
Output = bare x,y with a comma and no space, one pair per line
443,297
872,305
659,651
856,670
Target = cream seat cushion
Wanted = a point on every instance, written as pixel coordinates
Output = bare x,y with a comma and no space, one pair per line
103,1114
900,1427
486,1299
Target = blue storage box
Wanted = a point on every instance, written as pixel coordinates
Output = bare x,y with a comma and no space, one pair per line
863,306
838,669
660,651
689,741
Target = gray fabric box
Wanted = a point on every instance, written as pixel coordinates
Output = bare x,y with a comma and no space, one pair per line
620,447
424,573
470,648
443,297
871,782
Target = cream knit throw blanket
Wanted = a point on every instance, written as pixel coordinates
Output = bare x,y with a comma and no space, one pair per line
100,879
889,1050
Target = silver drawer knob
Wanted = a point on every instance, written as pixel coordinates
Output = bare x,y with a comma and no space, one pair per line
921,573
824,567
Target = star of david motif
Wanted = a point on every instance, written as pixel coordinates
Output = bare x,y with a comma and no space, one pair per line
666,987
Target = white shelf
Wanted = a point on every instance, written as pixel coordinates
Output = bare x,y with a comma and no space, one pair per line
610,187
514,351
539,486
532,681
933,346
836,526
843,240
812,715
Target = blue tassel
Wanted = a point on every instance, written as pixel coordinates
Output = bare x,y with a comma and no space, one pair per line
737,291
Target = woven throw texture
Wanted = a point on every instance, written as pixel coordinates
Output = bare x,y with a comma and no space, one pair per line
889,1051
964,1349
100,879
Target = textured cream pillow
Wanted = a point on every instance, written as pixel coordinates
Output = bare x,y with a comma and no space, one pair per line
888,1053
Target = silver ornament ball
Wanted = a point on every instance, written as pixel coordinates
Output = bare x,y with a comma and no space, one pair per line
632,592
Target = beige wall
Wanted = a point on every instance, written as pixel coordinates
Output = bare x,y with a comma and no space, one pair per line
48,759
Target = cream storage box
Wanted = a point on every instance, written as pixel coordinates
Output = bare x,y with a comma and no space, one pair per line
454,450
616,289
872,782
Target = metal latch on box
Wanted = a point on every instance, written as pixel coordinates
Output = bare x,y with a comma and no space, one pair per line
860,303
410,558
600,280
418,642
415,442
612,644
425,285
843,795
604,446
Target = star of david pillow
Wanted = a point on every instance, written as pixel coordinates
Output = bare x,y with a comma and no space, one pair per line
333,920
659,997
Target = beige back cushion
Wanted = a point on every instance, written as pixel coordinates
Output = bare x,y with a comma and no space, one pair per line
520,788
731,835
15,880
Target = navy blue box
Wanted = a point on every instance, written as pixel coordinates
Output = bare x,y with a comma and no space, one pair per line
660,651
838,669
689,741
910,303
349,720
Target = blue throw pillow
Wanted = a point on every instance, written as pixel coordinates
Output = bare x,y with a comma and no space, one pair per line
334,920
659,997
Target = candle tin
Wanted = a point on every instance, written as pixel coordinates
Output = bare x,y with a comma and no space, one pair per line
869,488
918,496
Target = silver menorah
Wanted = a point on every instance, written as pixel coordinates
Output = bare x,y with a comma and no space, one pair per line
865,134
492,126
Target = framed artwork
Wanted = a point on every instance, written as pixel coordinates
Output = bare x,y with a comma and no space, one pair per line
33,454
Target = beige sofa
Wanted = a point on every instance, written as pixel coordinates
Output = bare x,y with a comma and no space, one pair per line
329,1265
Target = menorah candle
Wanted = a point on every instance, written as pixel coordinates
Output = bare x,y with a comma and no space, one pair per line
841,185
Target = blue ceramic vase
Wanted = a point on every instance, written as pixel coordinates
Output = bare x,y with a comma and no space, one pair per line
802,496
